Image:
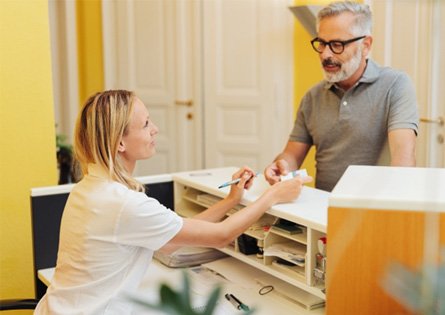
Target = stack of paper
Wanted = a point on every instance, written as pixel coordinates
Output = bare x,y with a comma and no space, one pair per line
188,256
290,251
207,199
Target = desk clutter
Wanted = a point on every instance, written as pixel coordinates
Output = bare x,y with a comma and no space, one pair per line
188,256
254,288
282,244
271,267
261,285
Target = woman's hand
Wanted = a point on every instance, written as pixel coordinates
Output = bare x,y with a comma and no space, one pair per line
288,190
246,175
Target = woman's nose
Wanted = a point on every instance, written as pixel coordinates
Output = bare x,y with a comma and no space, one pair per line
154,129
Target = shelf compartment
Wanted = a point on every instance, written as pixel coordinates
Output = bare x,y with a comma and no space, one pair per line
260,228
292,271
190,201
300,238
202,199
313,237
188,209
289,277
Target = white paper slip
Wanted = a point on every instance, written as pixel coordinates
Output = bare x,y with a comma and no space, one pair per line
292,174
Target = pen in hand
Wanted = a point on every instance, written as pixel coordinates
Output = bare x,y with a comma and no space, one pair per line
235,181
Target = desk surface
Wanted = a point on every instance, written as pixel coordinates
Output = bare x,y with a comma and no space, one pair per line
398,188
310,207
244,282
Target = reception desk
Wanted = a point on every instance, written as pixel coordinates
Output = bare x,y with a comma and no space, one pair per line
295,290
378,216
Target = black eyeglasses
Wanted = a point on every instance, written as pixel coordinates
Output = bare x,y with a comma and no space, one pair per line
336,46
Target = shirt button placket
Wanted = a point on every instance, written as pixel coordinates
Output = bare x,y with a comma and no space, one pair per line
344,110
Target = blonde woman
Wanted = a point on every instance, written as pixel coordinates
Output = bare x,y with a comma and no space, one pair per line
110,227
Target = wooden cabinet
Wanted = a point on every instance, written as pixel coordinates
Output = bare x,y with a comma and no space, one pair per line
379,216
282,243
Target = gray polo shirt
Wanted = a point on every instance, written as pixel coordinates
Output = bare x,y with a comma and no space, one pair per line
351,128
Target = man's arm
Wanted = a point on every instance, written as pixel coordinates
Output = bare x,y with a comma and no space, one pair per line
291,158
402,146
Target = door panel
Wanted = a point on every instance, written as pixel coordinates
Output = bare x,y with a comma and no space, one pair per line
231,61
416,48
439,25
243,68
143,62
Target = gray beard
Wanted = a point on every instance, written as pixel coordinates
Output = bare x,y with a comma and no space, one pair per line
346,71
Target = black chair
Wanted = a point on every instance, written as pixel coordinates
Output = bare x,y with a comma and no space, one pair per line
46,214
21,304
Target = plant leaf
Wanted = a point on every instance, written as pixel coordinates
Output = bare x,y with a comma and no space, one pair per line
185,294
212,301
170,298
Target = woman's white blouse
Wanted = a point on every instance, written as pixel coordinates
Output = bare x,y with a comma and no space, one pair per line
107,239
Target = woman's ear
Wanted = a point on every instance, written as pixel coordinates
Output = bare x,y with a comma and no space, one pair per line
121,147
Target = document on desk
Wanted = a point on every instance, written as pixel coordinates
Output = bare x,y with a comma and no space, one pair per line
204,281
244,277
235,277
234,270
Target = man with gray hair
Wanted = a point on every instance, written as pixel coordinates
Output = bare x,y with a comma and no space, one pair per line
357,110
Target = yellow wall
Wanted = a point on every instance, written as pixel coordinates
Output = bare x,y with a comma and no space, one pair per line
28,153
307,72
27,120
89,43
27,126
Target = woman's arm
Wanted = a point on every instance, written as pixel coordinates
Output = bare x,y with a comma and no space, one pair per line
209,234
216,212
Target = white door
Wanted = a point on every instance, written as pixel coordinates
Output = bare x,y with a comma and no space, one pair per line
247,79
438,132
139,50
62,17
215,75
418,48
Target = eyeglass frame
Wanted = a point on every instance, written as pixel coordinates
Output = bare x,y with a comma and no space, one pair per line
329,43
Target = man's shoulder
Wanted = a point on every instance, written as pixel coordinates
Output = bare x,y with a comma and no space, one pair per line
387,71
319,87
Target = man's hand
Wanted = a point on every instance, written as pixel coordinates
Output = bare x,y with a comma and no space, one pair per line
273,172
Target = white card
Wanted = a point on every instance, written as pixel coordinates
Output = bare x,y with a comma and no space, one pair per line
292,174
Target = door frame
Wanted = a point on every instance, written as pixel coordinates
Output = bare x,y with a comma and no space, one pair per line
424,45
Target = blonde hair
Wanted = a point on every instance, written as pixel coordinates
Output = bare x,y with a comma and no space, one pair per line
101,124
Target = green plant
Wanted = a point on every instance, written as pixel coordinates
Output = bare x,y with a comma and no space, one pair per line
64,152
179,302
421,290
61,143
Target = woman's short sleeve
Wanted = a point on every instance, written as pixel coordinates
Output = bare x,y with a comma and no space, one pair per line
145,222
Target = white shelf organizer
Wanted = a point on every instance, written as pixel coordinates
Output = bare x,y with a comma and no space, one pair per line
197,190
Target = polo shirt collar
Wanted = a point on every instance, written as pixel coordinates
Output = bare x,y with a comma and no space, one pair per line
370,75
